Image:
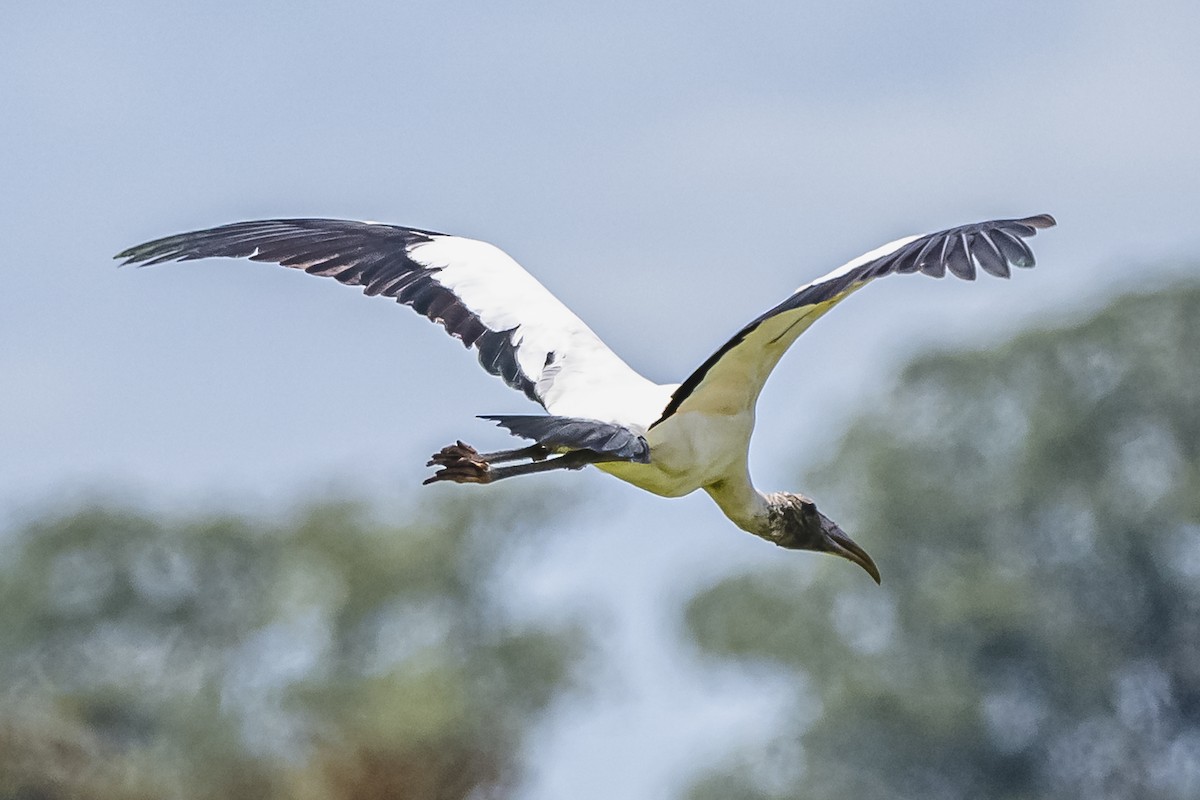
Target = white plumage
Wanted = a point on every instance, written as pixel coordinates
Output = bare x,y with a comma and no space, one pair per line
669,439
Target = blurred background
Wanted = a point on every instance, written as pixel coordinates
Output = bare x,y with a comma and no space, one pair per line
219,576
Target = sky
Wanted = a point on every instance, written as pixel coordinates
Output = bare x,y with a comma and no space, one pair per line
668,170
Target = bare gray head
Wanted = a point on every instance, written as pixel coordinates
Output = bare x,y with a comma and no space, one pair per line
794,522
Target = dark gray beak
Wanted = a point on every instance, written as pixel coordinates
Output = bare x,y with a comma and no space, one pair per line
839,544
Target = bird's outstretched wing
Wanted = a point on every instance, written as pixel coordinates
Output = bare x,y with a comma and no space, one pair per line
731,379
473,289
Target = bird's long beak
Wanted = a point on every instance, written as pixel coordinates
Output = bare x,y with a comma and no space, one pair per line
842,545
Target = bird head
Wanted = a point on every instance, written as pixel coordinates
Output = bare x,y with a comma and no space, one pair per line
795,523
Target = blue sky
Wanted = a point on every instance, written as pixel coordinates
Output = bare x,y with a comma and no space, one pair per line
669,170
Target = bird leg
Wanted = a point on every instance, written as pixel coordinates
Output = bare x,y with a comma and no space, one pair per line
536,452
460,451
462,463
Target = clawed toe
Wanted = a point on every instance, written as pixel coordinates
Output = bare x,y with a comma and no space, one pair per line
460,463
468,475
453,454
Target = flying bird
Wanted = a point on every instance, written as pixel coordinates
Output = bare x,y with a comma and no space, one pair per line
668,439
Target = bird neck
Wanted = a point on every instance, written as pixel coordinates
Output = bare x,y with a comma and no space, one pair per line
746,507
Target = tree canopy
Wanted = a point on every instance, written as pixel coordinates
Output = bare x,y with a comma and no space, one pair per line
1035,511
326,656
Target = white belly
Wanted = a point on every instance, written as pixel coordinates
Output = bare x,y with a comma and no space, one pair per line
689,451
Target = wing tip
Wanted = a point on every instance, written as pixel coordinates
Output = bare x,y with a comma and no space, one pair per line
1039,221
130,256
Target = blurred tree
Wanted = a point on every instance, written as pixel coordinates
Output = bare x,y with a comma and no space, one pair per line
332,656
1035,511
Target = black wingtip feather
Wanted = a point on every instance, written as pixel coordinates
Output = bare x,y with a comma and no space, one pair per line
958,257
931,259
1041,221
989,256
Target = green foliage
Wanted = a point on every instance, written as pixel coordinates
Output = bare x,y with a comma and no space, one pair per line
1035,511
217,657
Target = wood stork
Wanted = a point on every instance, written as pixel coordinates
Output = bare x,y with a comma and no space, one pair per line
667,439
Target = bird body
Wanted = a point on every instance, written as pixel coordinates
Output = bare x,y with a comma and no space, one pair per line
668,439
690,451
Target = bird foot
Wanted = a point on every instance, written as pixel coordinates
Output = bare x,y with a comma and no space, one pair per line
460,463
